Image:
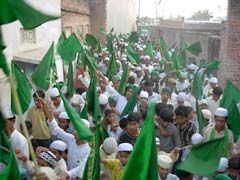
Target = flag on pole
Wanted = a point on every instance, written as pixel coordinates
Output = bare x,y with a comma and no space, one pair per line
123,82
164,49
195,48
234,120
132,55
130,104
212,65
197,85
92,40
149,50
61,39
200,118
112,67
133,38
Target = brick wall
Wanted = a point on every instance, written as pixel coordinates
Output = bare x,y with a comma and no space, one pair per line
230,68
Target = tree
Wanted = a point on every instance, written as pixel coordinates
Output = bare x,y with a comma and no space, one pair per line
201,15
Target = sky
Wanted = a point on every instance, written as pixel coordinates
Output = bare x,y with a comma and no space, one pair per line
184,8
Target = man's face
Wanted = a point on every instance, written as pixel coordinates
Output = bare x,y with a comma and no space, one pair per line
181,120
164,123
165,96
115,84
149,89
143,100
111,117
139,74
9,126
63,123
163,172
56,101
123,157
132,127
37,102
129,93
220,123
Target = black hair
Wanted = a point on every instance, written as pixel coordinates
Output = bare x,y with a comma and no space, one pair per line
133,117
166,114
181,111
159,107
188,110
131,80
234,163
148,83
108,111
217,90
167,90
39,93
123,123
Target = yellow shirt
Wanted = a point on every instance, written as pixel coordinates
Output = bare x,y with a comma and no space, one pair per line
115,166
40,129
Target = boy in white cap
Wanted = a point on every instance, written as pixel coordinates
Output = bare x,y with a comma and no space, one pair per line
165,164
220,130
143,98
139,75
64,123
57,102
117,166
207,91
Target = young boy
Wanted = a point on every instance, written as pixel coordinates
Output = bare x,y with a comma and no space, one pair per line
117,166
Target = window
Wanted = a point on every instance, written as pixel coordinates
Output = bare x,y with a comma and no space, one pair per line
27,36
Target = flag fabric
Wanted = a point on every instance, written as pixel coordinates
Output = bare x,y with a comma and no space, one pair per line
110,46
102,31
149,50
197,85
84,114
89,61
132,55
112,67
92,40
164,49
70,81
42,74
23,87
69,48
12,10
133,38
195,48
142,163
129,107
234,120
231,93
204,158
123,82
212,65
200,118
7,156
182,54
2,46
61,39
83,131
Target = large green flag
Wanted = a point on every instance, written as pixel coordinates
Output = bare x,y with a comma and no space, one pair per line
112,67
149,50
69,48
195,48
42,74
130,104
132,55
197,85
200,118
212,65
204,158
7,156
142,164
164,49
61,39
70,81
231,93
92,40
123,82
23,87
234,120
12,10
133,38
83,131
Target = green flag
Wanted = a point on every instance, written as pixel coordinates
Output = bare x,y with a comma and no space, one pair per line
182,54
234,120
7,156
23,87
130,104
133,38
61,39
83,131
41,75
70,81
200,118
112,67
89,61
142,164
84,114
132,55
69,49
123,82
231,93
102,31
197,85
164,49
204,158
110,46
92,40
195,48
212,65
12,10
2,46
149,50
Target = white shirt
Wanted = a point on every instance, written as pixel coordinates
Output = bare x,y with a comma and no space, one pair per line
169,177
155,97
181,86
212,105
77,154
60,167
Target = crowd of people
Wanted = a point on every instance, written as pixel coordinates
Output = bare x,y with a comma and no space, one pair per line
62,154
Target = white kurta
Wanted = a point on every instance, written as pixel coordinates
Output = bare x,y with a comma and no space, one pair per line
77,154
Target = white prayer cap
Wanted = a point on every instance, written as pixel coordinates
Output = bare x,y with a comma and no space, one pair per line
103,99
221,112
8,114
110,145
144,94
86,122
192,67
147,57
196,138
213,80
54,92
63,115
206,114
126,44
143,46
181,97
183,75
58,145
164,161
125,147
157,141
64,89
203,101
123,59
138,68
49,157
106,59
124,56
223,165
